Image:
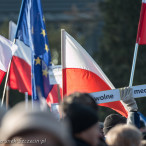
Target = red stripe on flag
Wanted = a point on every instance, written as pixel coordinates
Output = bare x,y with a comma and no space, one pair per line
85,81
20,75
141,33
2,74
54,95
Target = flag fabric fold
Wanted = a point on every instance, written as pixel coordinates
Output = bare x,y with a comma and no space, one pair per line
141,33
81,73
7,49
20,70
31,30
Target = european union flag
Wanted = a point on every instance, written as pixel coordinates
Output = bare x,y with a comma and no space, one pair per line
31,30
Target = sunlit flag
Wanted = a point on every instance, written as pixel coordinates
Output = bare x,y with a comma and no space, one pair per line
7,49
81,73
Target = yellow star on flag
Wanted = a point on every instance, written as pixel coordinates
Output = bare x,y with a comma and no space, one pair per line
38,61
46,47
45,72
43,32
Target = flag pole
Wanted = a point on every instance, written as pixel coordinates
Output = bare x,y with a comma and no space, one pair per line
62,56
26,100
133,64
58,91
3,96
18,22
6,79
7,88
7,96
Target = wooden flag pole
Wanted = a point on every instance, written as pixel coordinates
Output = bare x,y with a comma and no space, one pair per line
62,56
7,97
58,91
133,65
26,100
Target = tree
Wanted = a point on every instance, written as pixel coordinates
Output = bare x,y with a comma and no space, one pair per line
117,43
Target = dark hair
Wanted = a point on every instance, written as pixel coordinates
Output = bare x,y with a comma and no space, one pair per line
81,117
82,98
113,120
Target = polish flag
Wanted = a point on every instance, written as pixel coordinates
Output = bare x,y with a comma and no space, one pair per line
7,49
20,70
141,34
82,74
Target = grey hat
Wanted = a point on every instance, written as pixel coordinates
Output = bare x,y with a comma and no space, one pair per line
111,121
18,120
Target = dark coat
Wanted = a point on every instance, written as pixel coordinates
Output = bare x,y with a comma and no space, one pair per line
80,142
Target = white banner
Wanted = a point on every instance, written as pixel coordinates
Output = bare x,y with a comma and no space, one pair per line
114,95
55,75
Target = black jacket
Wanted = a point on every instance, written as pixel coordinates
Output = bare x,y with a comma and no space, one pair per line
80,142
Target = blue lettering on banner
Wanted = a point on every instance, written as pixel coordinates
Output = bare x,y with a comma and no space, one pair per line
140,91
104,97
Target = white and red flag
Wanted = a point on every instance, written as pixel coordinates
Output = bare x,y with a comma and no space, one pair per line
140,39
20,70
141,33
81,73
7,49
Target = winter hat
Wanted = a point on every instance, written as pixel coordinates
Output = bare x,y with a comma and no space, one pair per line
112,120
19,120
81,117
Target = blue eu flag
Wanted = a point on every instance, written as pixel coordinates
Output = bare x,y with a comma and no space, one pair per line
31,30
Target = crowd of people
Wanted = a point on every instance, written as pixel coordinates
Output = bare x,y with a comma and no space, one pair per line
79,124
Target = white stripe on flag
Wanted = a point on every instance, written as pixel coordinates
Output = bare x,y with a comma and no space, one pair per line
7,49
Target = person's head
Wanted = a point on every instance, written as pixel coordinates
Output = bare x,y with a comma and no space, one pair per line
142,126
111,121
143,143
123,135
81,98
101,128
84,122
21,126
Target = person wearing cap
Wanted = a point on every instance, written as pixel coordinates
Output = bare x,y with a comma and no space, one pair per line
130,105
26,127
112,120
85,99
77,97
84,122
